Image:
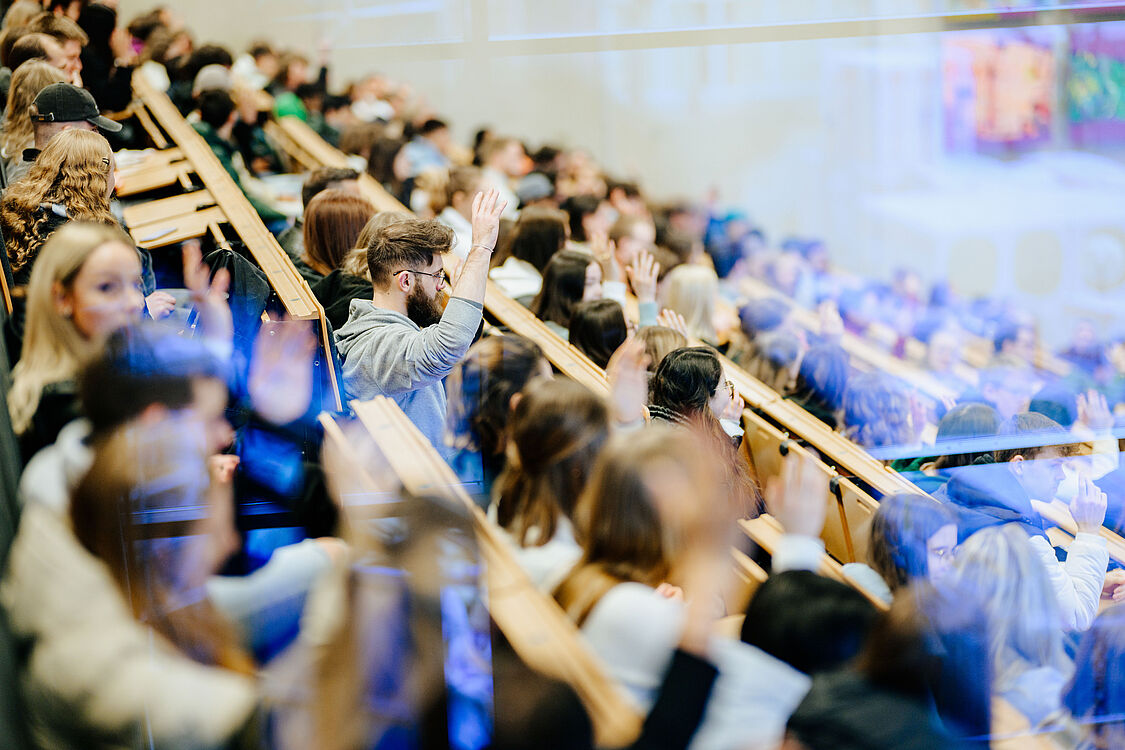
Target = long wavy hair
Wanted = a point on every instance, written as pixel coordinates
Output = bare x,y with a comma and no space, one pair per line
27,81
53,348
72,171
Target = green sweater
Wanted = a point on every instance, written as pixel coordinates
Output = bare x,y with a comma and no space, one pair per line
224,151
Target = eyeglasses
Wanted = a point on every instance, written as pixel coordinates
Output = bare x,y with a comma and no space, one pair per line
730,387
441,275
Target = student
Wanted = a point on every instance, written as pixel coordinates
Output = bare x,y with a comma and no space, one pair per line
570,277
71,180
67,33
659,342
539,234
464,183
85,285
1094,694
320,179
558,429
57,107
913,537
886,701
427,150
878,411
31,78
692,291
332,223
821,382
689,384
597,329
1010,585
401,344
483,390
139,666
614,593
503,160
108,59
217,118
1006,492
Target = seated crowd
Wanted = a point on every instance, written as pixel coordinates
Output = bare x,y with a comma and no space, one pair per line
147,609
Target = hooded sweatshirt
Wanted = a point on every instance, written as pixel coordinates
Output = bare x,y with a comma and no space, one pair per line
986,495
385,353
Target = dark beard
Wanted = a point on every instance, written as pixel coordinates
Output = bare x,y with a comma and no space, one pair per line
423,310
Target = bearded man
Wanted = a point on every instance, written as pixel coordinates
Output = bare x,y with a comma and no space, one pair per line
401,344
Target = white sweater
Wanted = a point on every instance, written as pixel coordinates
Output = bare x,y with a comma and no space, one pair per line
95,672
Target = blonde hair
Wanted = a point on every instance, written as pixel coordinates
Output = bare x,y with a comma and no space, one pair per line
53,348
72,171
1009,583
355,262
20,14
27,81
691,290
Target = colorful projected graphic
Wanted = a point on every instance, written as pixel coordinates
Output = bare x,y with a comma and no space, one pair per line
1095,84
998,91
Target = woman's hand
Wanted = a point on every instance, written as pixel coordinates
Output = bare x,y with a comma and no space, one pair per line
798,499
209,295
627,373
643,275
281,371
603,250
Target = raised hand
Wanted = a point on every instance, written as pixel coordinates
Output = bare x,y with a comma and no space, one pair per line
281,371
1088,506
627,372
221,467
798,498
830,323
160,305
672,319
603,250
208,295
643,274
487,208
1093,411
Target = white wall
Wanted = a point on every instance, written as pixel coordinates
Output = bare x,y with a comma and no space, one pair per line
836,138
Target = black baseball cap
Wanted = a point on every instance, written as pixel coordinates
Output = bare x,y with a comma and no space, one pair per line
65,102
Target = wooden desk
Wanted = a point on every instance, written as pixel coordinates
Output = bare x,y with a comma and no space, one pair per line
173,230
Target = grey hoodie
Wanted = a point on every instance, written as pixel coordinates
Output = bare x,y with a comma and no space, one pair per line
385,353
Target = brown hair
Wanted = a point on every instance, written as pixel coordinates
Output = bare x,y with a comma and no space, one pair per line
132,471
59,27
1034,424
557,430
539,233
72,171
411,243
617,520
333,221
480,391
494,145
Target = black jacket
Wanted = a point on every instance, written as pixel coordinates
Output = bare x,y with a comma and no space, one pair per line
844,711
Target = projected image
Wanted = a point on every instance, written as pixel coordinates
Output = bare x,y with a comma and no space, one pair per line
997,91
1095,84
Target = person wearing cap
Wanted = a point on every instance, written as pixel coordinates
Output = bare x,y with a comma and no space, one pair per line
59,107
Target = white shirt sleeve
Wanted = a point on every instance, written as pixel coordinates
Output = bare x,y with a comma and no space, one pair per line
797,552
1077,582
